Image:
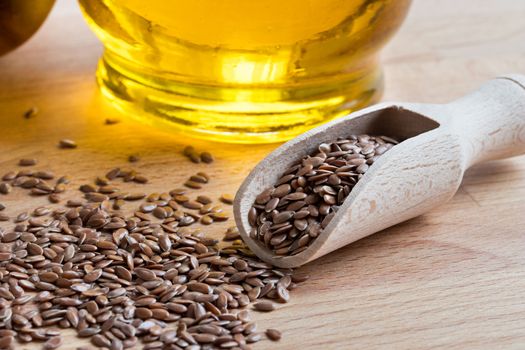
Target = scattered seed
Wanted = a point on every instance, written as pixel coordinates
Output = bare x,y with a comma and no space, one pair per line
133,158
206,220
231,234
53,343
204,199
227,198
193,184
5,188
273,334
27,162
199,179
6,341
112,121
30,113
264,306
207,157
118,279
67,143
54,198
141,179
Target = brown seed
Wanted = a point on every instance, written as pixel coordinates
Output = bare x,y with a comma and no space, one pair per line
231,234
4,256
219,216
111,121
53,343
147,207
264,305
134,196
192,205
6,341
207,157
96,197
200,287
112,174
45,175
160,213
31,112
282,292
93,276
283,217
206,220
281,191
141,179
145,274
19,320
273,334
194,157
5,188
193,184
143,313
27,162
227,198
133,158
11,175
253,338
87,188
54,198
100,341
67,143
188,150
88,332
295,196
271,205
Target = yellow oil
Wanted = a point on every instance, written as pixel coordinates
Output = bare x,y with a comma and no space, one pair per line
242,70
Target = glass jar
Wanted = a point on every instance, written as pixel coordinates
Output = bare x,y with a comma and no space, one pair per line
242,70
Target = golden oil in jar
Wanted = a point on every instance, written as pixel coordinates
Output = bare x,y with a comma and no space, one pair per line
242,70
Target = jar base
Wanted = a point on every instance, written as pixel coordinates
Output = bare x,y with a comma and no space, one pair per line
232,114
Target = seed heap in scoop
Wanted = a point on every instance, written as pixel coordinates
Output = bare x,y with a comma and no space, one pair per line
289,216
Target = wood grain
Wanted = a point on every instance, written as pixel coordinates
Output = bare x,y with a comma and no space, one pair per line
453,278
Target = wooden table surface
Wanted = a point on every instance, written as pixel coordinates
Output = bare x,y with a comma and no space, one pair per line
454,278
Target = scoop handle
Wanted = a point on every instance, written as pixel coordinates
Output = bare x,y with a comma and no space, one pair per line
490,122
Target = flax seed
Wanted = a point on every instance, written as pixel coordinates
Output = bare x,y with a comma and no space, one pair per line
111,121
27,162
31,112
54,198
117,279
5,188
207,157
193,184
264,306
67,144
141,179
227,198
53,343
133,158
289,216
273,334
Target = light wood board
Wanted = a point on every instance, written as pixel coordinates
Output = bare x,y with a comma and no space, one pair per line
452,279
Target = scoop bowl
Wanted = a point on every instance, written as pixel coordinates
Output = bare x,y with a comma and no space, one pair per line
440,142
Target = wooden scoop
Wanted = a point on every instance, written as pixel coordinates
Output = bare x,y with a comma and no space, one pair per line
422,172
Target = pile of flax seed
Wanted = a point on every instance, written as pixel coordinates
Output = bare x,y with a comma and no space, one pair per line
149,278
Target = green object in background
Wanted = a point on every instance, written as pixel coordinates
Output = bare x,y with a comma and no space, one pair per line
19,20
